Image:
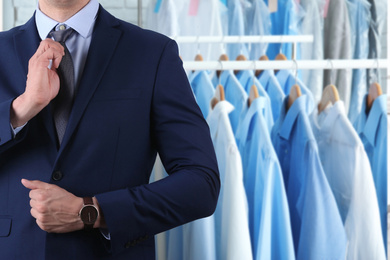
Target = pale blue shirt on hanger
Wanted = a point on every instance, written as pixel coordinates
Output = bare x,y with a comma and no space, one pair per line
269,217
372,129
318,230
348,171
268,80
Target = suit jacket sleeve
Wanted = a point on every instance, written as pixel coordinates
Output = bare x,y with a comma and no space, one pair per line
182,138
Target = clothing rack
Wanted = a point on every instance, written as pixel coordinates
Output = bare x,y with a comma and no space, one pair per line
294,39
287,64
245,39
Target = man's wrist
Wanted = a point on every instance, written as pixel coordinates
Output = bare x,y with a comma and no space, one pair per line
22,111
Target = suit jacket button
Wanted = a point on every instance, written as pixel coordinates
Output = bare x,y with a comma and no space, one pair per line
57,175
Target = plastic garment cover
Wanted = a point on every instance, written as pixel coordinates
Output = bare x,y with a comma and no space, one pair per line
337,45
236,27
317,228
313,24
162,18
378,18
269,217
348,171
372,129
205,22
360,16
258,22
231,215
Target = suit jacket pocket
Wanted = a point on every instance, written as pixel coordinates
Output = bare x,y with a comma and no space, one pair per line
5,226
117,94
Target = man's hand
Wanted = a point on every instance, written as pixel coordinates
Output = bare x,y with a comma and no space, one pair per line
55,209
42,84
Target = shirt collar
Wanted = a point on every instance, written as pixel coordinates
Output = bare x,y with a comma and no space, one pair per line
325,121
288,117
282,77
82,21
377,110
265,77
213,118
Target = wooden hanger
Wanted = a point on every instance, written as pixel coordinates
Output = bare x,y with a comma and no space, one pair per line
374,91
253,94
329,95
264,58
223,57
280,56
219,96
198,57
295,92
240,57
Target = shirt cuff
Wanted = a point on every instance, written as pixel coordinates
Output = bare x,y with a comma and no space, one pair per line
16,130
105,233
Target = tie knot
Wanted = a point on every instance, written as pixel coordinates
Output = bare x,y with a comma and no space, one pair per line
62,34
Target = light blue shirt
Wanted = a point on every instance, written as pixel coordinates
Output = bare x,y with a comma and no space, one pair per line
236,27
231,215
235,94
360,17
203,90
275,92
317,228
348,171
287,80
285,22
78,43
372,129
247,80
269,217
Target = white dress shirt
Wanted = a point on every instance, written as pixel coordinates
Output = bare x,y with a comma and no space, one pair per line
348,171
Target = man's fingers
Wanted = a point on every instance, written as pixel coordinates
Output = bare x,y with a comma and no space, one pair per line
32,185
48,44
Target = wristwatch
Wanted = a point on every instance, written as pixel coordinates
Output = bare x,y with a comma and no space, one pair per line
88,213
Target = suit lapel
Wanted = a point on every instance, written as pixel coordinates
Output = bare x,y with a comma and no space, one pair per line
104,41
26,42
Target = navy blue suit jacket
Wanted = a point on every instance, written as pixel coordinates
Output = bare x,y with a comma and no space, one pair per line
133,101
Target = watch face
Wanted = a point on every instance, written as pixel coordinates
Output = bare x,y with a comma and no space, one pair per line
89,214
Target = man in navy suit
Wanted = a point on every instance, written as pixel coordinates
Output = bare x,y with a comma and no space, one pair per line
84,194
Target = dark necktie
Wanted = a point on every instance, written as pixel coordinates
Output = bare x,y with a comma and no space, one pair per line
62,104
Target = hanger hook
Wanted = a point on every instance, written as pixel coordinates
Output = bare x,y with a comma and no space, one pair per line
377,69
197,41
296,70
223,44
331,71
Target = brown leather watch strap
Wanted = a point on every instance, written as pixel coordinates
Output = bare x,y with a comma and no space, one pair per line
88,201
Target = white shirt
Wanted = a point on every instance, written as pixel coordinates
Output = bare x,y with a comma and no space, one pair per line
348,171
231,216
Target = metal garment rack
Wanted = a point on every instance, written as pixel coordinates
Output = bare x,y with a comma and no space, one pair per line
287,64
